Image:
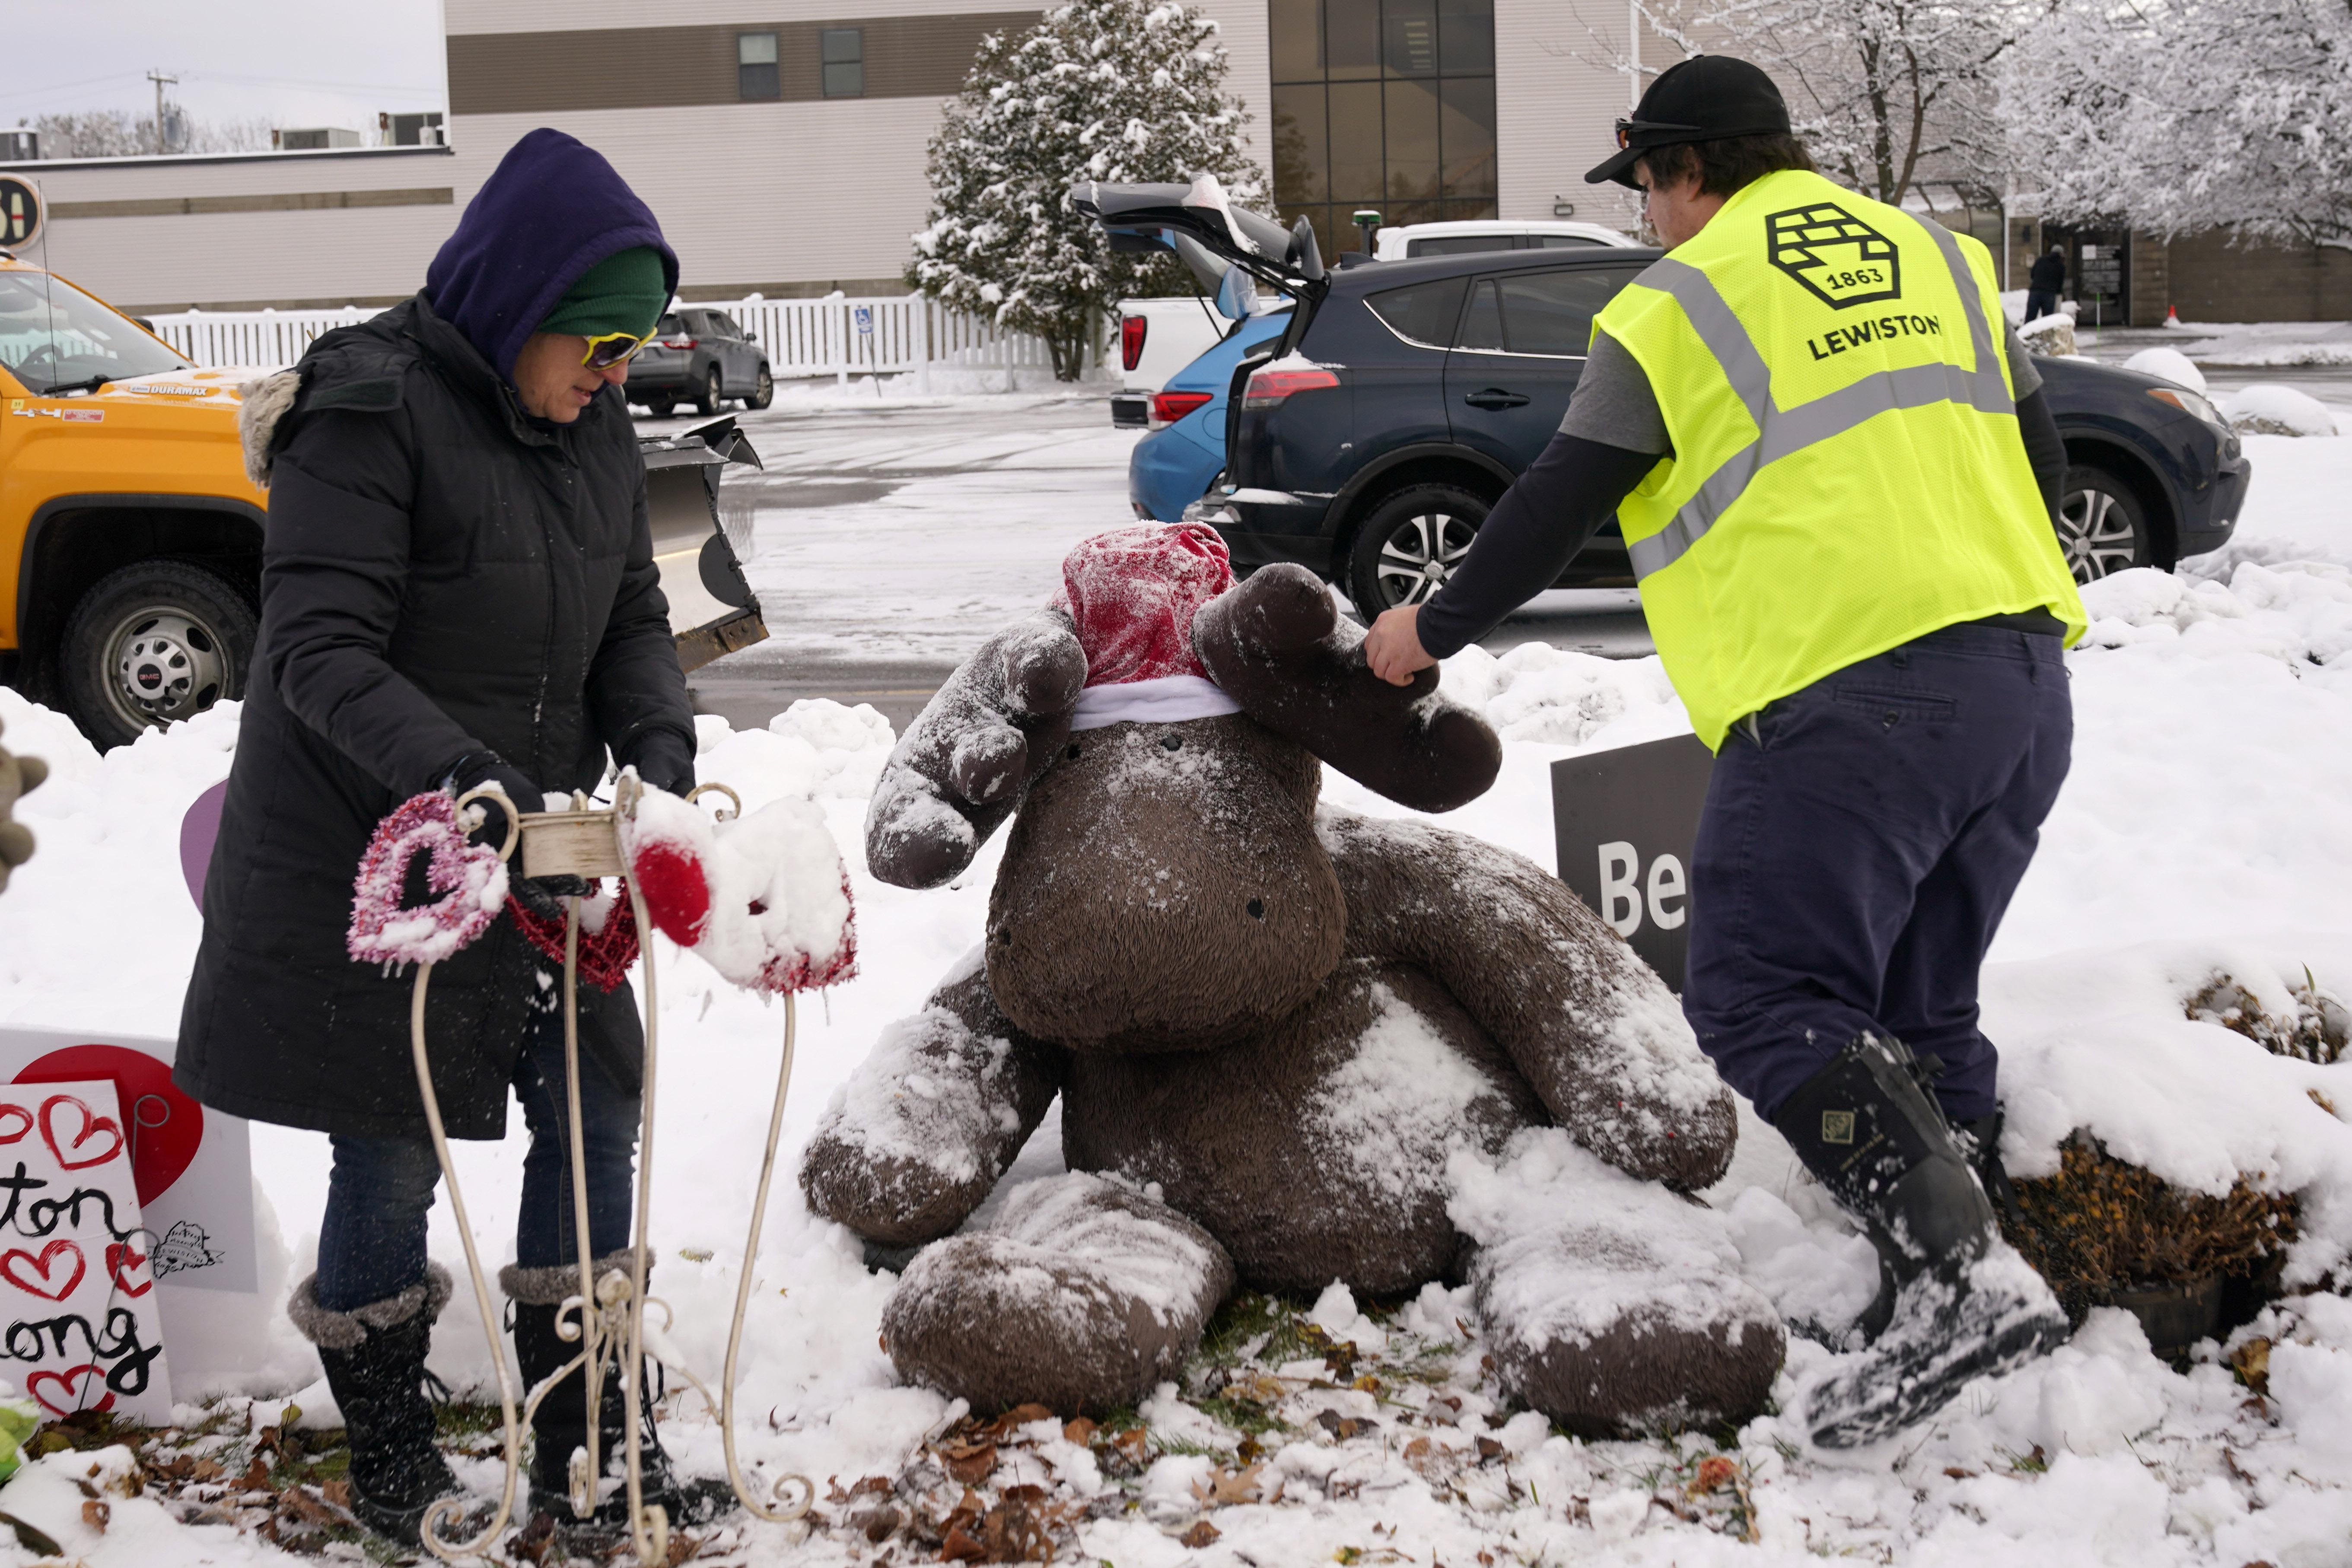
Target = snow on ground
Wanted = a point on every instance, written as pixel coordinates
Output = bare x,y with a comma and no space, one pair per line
2268,342
2205,830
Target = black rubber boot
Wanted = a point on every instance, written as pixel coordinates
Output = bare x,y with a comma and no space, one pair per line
374,1359
1956,1301
560,1426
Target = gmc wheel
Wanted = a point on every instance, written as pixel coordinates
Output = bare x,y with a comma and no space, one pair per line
153,642
1410,544
763,391
2102,526
713,395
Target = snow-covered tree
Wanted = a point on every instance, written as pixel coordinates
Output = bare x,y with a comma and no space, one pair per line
1100,89
2177,115
1884,93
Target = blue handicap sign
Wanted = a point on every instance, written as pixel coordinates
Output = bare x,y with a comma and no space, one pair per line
864,318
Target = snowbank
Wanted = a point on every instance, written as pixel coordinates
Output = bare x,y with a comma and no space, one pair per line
2169,363
2052,335
2265,409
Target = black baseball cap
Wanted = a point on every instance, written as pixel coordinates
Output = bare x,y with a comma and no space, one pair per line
1705,97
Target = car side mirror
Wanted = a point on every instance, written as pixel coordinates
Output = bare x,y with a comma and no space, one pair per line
1235,294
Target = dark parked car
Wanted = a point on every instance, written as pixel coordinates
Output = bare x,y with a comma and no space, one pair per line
702,357
1369,443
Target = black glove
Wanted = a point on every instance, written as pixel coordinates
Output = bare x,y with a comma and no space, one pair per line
664,760
477,768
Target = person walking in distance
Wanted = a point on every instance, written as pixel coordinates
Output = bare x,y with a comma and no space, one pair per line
2044,283
457,588
1836,476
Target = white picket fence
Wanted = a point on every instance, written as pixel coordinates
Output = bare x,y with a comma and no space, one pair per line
838,337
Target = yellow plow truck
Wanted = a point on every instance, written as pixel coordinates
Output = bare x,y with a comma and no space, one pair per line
130,540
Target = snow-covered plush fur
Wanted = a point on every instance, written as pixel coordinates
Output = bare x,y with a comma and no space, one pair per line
1315,1038
266,401
763,897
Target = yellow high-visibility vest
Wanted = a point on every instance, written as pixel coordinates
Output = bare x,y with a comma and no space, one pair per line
1846,472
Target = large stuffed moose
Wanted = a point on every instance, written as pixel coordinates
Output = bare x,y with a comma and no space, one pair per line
1274,1032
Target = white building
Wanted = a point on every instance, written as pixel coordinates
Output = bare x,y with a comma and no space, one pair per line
782,142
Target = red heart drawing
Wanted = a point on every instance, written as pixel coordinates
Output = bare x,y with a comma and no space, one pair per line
10,1269
65,1381
121,1261
23,1122
93,1125
166,1126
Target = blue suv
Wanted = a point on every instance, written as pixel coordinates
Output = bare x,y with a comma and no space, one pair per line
1368,442
1174,465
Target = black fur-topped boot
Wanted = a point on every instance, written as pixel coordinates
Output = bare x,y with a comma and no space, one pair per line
561,1428
374,1359
1956,1301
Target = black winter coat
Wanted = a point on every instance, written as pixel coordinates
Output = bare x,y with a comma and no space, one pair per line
2048,274
441,574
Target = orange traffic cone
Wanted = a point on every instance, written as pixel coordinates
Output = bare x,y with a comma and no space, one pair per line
2172,315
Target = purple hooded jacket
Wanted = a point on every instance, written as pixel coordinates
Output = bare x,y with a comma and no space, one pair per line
552,209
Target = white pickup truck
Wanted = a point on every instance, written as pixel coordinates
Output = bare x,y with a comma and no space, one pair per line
1157,338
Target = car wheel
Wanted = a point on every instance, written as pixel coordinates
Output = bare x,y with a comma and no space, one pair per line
659,407
2102,526
1410,544
763,391
153,642
713,395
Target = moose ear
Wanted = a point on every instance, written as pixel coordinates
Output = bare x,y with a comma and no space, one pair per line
1276,645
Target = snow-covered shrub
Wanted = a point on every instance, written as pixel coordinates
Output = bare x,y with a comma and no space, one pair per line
1119,90
2267,409
2102,1226
2052,335
2318,1031
2170,364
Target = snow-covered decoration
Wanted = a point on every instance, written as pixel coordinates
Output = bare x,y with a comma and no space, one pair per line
1132,593
2177,115
608,935
469,880
1120,90
763,898
2266,409
2172,365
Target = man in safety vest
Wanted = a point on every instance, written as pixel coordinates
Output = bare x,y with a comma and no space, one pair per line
1836,478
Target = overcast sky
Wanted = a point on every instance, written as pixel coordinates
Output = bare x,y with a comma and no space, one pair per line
290,62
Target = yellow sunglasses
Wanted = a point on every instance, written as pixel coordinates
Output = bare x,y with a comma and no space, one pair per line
608,349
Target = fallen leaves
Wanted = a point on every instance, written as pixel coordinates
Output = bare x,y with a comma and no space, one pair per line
2252,1361
1224,1487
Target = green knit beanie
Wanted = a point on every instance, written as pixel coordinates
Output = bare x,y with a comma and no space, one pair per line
623,293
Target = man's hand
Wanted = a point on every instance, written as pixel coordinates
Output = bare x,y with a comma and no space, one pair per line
1392,647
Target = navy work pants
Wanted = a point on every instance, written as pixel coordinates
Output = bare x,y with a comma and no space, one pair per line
371,1241
1858,846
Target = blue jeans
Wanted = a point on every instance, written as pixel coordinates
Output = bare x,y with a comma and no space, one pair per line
371,1241
1857,852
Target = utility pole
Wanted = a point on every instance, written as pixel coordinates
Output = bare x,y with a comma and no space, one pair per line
159,78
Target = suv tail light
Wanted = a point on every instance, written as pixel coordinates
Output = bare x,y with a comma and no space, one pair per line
1132,329
1269,386
677,343
1167,408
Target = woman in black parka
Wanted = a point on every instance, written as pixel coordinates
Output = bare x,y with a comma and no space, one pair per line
457,586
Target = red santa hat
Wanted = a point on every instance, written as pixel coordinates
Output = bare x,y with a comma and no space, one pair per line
1133,593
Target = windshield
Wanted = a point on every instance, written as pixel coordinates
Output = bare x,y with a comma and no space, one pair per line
54,337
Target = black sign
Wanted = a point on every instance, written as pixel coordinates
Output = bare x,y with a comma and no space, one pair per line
1840,259
20,211
1624,820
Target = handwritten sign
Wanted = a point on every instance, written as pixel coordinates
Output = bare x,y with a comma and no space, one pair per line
192,1168
78,1269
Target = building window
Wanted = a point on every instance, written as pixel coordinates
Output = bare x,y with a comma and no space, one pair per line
843,50
756,76
1382,104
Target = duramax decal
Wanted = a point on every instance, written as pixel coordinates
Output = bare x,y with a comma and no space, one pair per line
1840,260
